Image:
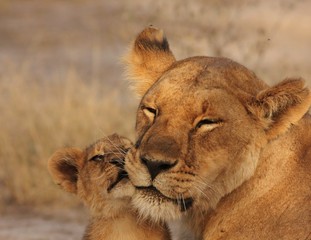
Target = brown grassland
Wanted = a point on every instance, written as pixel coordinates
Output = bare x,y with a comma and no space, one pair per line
61,81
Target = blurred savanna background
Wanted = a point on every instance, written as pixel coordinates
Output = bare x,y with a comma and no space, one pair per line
62,82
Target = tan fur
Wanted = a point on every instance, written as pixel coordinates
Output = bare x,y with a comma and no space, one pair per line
93,175
218,151
150,48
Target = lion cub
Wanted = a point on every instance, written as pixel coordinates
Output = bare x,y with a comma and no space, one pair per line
96,175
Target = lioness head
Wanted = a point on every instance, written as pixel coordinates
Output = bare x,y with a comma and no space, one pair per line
96,174
201,125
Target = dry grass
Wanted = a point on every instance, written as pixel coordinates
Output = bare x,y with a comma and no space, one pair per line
39,117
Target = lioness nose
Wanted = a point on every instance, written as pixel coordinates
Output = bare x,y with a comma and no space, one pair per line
155,167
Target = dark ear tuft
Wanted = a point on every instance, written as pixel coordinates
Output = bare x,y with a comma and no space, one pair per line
152,39
148,58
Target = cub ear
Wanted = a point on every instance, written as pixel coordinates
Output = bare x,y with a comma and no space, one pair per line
120,141
63,167
147,59
280,106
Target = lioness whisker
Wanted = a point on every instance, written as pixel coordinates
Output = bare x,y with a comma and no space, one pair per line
203,194
208,186
183,201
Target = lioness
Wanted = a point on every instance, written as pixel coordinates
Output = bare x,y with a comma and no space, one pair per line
97,176
218,151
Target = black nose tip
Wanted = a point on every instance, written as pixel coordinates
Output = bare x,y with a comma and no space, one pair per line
156,166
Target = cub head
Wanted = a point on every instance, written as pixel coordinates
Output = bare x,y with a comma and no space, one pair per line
201,125
96,174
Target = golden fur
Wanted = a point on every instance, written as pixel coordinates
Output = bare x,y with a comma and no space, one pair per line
96,175
218,152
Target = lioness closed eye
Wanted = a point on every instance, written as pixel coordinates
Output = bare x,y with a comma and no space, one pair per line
218,151
96,175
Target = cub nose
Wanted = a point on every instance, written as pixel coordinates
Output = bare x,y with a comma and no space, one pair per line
157,166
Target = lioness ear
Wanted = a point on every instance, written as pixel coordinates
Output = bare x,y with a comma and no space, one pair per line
63,167
280,106
147,59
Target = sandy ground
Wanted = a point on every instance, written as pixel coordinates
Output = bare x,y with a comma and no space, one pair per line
39,228
43,225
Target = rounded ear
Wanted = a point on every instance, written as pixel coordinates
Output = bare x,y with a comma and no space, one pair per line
280,106
63,167
120,143
148,58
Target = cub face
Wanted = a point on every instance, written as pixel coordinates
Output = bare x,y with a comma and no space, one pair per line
201,125
96,174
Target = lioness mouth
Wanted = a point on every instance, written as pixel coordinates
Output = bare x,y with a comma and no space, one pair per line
122,174
184,204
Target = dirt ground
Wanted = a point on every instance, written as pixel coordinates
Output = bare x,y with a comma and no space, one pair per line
27,224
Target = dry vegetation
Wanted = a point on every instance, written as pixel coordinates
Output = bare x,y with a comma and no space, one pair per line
61,81
39,117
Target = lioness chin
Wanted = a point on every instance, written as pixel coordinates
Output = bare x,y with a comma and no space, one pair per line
96,175
218,151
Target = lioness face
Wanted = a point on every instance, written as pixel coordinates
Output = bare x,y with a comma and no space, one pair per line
201,125
95,174
191,132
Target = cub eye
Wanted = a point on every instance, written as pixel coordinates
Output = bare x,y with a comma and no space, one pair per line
209,123
97,158
150,112
117,162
